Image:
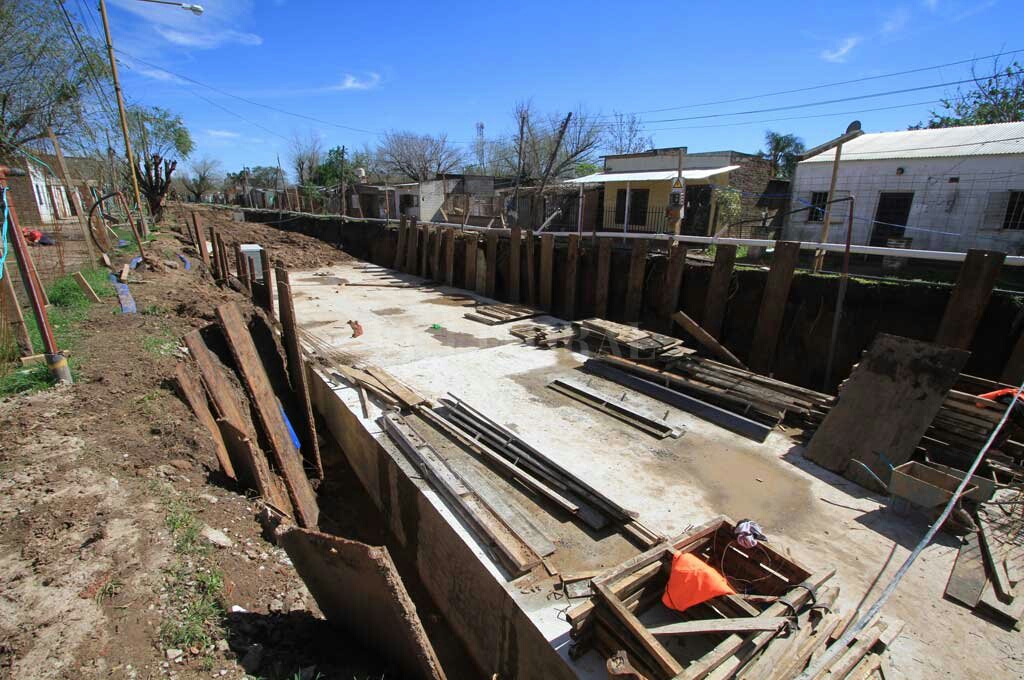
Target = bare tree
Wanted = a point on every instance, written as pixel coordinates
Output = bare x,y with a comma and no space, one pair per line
419,157
203,177
530,155
625,134
305,152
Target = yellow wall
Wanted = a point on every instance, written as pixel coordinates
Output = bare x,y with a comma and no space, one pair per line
658,198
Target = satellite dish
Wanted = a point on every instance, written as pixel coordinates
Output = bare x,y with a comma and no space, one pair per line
853,127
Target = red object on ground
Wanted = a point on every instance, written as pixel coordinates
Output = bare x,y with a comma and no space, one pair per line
691,582
997,395
32,235
357,328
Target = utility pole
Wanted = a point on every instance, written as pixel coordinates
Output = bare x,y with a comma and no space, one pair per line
124,118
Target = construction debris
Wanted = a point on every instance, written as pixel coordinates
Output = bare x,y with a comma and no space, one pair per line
614,407
494,314
599,336
545,335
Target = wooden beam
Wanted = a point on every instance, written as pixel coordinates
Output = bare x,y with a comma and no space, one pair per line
268,291
248,462
425,230
718,290
531,269
572,257
751,624
297,371
262,394
604,267
435,256
705,339
403,235
192,391
773,306
547,258
967,303
990,549
492,264
514,257
412,244
967,579
469,266
635,284
215,255
449,257
14,313
673,281
666,663
86,288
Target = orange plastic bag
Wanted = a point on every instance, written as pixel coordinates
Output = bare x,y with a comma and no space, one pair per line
691,582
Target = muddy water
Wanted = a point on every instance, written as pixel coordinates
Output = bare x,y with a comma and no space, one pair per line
455,339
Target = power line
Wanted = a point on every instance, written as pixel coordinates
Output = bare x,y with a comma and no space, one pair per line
91,75
790,107
824,85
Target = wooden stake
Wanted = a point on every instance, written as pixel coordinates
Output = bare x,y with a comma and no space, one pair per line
17,318
192,390
76,200
604,264
773,306
514,257
547,258
635,287
718,290
86,288
572,256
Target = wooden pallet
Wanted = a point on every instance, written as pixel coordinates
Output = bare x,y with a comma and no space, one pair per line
492,315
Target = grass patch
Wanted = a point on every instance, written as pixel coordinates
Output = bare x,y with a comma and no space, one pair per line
160,345
184,528
108,590
25,380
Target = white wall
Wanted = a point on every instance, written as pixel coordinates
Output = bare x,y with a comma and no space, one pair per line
431,200
943,215
668,160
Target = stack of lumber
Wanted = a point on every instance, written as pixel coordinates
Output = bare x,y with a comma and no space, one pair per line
989,568
601,336
544,335
494,314
772,628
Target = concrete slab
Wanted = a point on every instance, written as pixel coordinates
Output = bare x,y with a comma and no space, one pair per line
417,332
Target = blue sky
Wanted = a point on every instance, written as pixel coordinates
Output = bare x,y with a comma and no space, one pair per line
362,68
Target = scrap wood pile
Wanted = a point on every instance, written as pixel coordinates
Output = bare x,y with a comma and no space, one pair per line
494,314
758,614
599,336
989,567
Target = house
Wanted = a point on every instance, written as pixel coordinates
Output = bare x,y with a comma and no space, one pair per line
944,189
637,187
40,197
451,198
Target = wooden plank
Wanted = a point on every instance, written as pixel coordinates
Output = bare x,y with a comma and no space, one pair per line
852,656
897,388
659,655
705,339
359,589
547,260
250,465
752,624
993,554
401,391
492,264
265,402
297,371
967,303
424,263
435,256
449,257
604,267
967,579
268,292
669,299
635,283
718,290
531,268
197,224
125,273
412,247
86,288
469,268
773,306
572,257
403,235
215,266
514,257
193,392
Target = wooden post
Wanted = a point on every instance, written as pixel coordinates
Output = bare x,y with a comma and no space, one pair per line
425,230
514,257
547,259
449,256
713,212
268,292
604,266
17,318
197,225
214,242
492,263
84,286
531,269
297,370
966,306
635,284
76,200
242,268
469,271
193,392
411,245
819,255
435,256
669,302
773,306
571,267
718,290
702,336
403,235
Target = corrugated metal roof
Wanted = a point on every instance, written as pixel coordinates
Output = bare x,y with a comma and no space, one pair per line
975,140
650,175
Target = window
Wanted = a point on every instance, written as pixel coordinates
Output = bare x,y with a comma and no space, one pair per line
1014,218
816,213
637,207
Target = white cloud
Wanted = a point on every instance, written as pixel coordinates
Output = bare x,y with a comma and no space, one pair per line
206,40
219,25
839,54
351,82
157,74
896,21
223,134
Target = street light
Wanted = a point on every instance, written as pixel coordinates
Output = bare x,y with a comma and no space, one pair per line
195,9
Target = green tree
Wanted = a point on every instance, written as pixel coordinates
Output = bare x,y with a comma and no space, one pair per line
994,98
782,151
46,79
256,177
159,139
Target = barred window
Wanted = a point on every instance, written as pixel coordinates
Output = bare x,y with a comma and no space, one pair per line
816,213
1014,218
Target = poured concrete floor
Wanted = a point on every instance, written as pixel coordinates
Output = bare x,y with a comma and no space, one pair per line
417,332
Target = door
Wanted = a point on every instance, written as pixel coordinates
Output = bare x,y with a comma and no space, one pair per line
891,216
